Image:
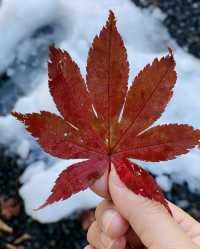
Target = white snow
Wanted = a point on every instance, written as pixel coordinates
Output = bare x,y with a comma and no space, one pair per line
23,149
145,38
18,19
164,182
37,187
33,169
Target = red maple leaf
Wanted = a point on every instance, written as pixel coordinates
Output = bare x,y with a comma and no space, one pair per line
104,122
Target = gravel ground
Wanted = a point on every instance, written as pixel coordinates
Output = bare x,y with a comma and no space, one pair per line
182,19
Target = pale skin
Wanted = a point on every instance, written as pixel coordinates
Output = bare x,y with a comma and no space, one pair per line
125,220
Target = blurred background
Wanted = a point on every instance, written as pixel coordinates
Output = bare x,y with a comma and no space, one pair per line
27,27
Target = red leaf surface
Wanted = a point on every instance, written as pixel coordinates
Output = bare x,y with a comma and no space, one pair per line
90,127
75,178
147,98
107,76
56,136
139,180
69,92
68,89
162,143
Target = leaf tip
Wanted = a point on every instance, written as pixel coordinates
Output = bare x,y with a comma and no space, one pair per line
171,54
41,207
18,115
111,14
52,50
170,51
111,18
170,57
51,47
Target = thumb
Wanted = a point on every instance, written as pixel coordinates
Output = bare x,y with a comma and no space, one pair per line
149,219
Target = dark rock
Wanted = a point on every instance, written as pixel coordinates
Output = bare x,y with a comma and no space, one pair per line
10,171
181,195
10,208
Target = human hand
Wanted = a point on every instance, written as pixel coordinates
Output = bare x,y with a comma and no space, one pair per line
132,221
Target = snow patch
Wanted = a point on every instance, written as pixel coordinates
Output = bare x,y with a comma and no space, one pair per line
38,184
23,149
19,19
33,170
164,182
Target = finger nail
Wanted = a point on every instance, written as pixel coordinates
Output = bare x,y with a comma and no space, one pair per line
112,244
106,241
107,219
115,178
